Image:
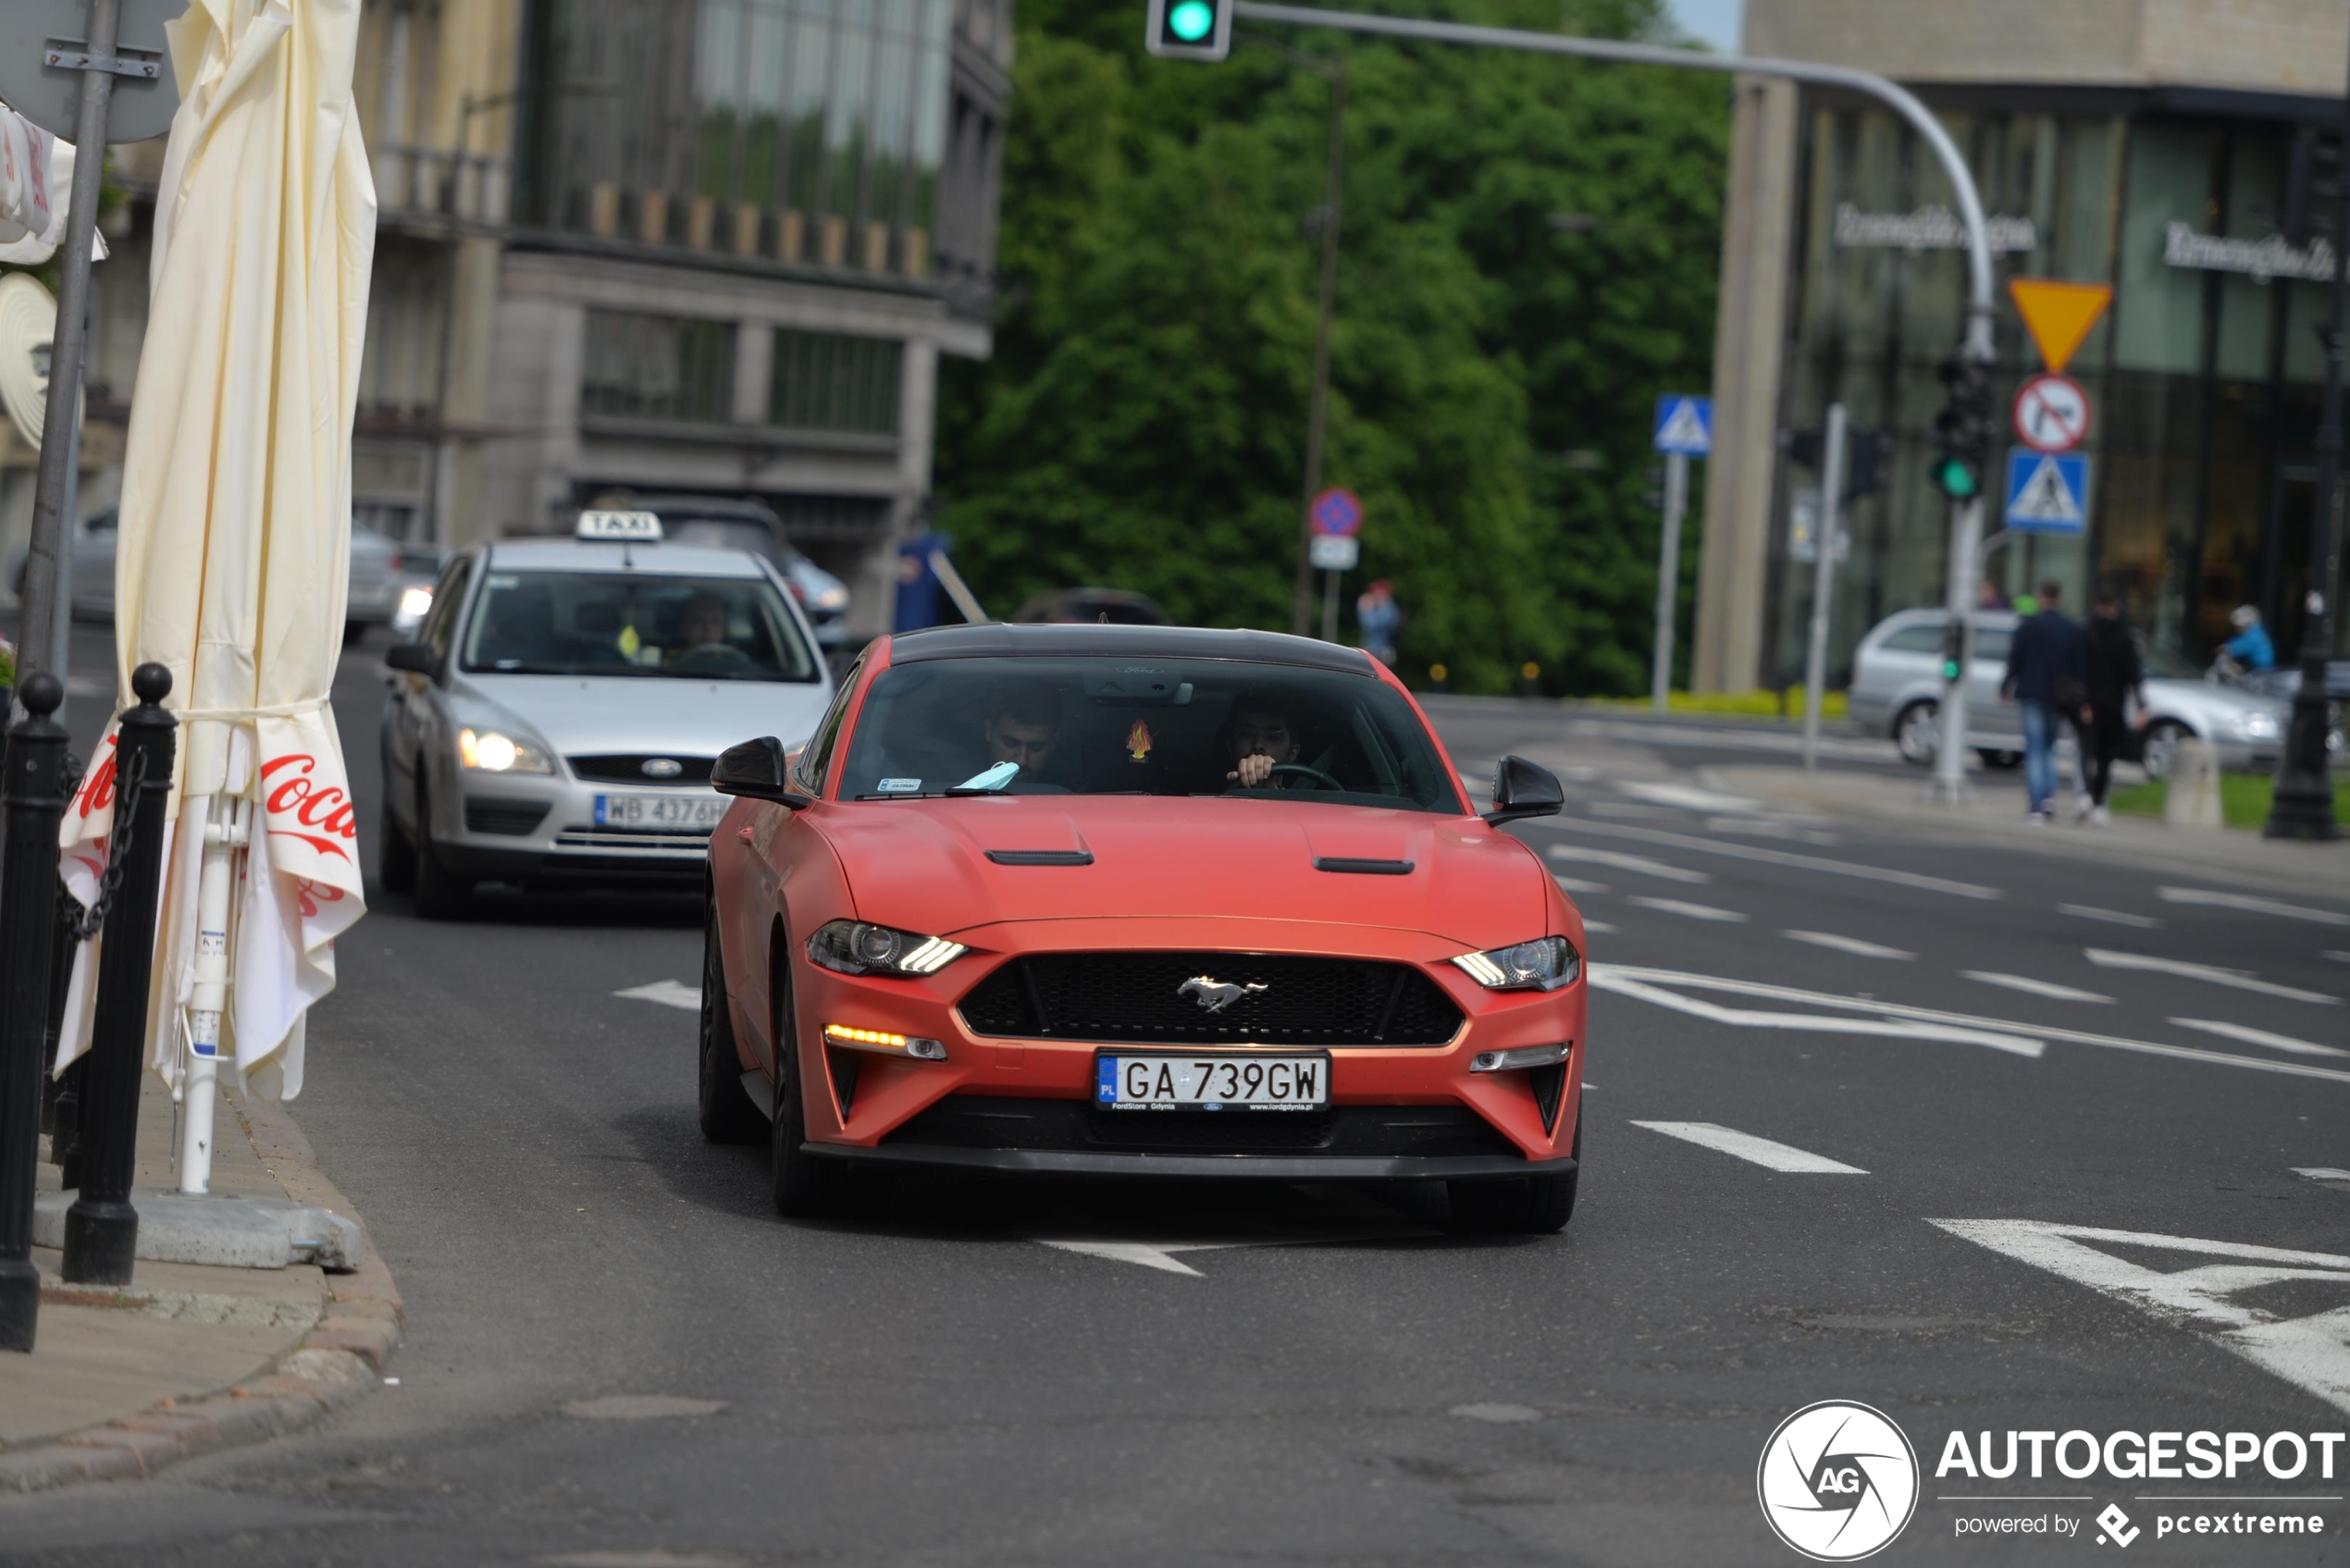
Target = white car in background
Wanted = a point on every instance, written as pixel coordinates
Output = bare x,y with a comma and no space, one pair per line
1897,691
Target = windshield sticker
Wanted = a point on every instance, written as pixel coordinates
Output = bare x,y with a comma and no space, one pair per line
995,777
1138,741
899,787
505,581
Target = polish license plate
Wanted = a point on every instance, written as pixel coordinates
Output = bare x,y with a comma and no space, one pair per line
700,811
1211,1084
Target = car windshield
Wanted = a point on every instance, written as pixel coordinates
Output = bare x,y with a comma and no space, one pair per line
1141,726
634,625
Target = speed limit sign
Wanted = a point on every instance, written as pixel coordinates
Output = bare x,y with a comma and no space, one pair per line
2051,414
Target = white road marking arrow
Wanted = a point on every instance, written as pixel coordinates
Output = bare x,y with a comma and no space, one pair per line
2311,1352
668,993
1615,978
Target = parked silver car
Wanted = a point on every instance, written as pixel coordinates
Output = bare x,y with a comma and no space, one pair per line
375,574
1897,691
556,720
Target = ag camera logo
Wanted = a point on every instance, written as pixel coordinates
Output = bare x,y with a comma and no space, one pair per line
1839,1481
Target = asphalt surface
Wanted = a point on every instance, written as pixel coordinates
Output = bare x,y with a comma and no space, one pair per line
1334,1381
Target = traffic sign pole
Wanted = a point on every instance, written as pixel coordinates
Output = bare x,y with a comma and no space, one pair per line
1816,662
1668,576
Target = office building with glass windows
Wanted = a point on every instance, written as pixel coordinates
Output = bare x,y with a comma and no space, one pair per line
698,246
2186,153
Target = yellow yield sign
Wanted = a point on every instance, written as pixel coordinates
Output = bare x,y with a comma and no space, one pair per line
2058,314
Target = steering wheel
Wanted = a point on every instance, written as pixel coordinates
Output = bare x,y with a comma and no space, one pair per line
716,658
1315,773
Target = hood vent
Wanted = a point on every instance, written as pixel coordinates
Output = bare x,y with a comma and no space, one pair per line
1041,857
1361,868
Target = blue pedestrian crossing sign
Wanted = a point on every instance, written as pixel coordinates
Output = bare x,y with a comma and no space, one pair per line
2047,492
1684,425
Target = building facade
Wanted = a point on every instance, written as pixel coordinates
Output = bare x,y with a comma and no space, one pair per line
2188,153
709,246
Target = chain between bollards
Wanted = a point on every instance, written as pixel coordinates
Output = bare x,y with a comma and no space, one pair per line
102,1228
36,792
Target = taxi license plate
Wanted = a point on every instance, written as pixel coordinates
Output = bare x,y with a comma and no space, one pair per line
660,810
1212,1083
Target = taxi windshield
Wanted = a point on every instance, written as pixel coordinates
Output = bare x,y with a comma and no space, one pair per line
635,625
1111,725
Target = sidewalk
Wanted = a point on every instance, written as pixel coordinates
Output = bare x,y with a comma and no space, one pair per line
2237,855
190,1358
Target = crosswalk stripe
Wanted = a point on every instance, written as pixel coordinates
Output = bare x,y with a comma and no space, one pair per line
2026,983
2239,978
1746,1146
2251,1036
1851,945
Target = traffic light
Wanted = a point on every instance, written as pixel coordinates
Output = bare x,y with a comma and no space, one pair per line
1868,463
1963,430
1190,29
1953,651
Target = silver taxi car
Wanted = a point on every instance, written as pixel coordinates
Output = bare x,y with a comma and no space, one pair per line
555,721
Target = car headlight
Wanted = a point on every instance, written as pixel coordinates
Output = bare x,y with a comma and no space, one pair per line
1544,964
494,751
2258,726
833,598
416,603
862,947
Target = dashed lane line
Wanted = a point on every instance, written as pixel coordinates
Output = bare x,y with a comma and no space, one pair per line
1691,912
2032,987
2329,1175
1687,796
1601,926
668,993
1621,861
2111,916
1577,884
1775,856
1851,945
2251,905
1653,985
2251,1036
2338,956
2240,979
1763,1152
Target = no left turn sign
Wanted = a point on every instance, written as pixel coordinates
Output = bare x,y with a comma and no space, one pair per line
2051,414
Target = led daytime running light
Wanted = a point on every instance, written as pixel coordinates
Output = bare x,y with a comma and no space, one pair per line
881,1040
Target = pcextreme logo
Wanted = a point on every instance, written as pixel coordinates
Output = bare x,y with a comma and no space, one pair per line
1839,1481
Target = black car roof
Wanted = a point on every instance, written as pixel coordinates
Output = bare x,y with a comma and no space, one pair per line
997,640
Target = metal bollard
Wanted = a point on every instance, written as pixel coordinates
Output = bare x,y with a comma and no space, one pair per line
102,1228
36,791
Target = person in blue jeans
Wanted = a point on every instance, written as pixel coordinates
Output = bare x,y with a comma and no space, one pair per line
2049,676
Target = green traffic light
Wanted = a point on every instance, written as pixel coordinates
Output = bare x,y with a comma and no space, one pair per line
1191,20
1957,480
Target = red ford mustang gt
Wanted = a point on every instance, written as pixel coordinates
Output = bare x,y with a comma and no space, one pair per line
1139,900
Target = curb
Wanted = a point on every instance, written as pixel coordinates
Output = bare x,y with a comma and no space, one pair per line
341,1358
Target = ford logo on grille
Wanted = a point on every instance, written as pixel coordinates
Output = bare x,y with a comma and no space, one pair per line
662,767
1213,995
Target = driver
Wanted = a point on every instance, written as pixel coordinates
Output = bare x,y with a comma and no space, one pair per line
703,623
1257,738
1024,726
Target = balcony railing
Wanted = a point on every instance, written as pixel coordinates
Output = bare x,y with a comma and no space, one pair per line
435,182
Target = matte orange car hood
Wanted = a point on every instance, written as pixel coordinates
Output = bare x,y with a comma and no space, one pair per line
922,865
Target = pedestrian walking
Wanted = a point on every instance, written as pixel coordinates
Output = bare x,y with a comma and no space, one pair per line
2114,674
1989,597
1380,619
2048,675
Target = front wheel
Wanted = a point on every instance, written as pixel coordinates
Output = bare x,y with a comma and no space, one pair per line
728,1113
442,895
1917,733
397,855
1519,1206
806,1186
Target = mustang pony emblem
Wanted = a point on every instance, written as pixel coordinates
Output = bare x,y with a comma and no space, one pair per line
1215,994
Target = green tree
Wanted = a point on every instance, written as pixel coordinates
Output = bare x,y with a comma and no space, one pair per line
1528,252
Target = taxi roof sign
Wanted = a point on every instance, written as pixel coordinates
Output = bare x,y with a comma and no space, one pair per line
620,527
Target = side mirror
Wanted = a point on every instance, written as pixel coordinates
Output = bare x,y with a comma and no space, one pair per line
757,769
417,658
1522,789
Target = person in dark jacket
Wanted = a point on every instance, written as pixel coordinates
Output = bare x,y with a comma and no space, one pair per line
2048,675
2114,680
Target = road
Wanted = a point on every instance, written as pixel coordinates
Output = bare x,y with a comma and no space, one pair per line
1980,1063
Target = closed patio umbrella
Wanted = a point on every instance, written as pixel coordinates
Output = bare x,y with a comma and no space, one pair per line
235,539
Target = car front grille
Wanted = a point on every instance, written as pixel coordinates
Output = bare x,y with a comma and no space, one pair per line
514,818
628,767
1138,998
624,841
979,1121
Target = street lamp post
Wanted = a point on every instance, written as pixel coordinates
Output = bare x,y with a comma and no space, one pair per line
2302,806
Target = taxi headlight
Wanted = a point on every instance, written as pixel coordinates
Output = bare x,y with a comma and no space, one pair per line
416,603
494,751
1544,964
862,947
833,598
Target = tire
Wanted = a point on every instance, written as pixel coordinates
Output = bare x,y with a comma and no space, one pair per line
1516,1205
396,855
1995,758
728,1114
442,895
2161,752
805,1185
1914,734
